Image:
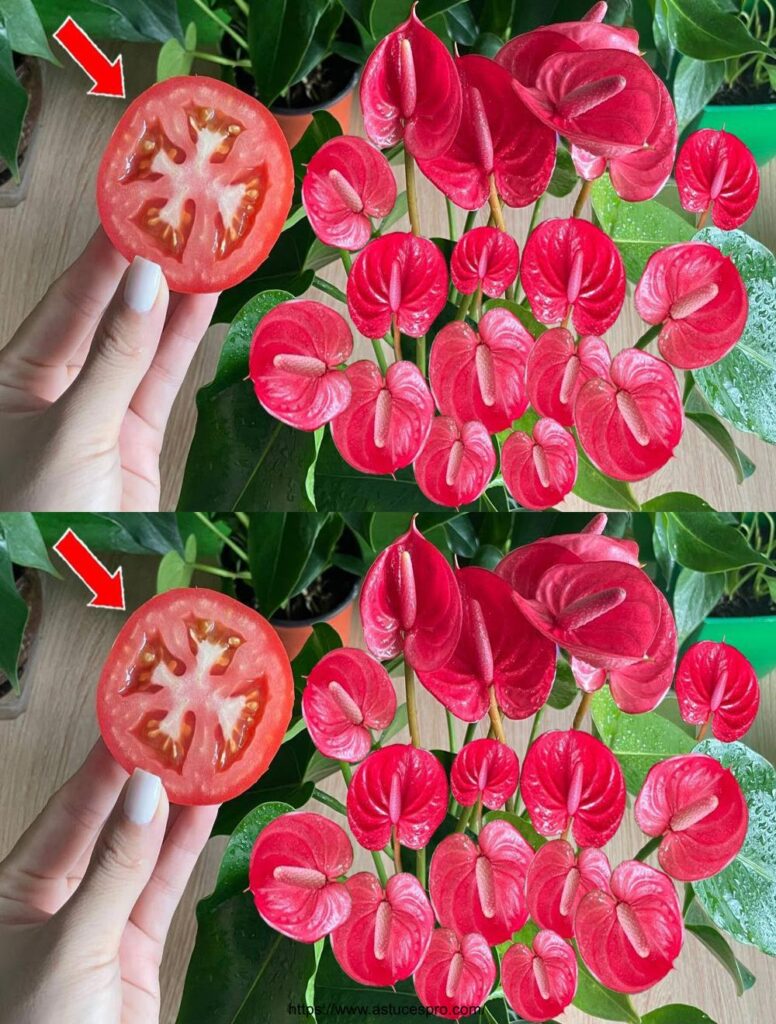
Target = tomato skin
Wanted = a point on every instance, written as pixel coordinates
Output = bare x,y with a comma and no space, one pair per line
161,117
201,692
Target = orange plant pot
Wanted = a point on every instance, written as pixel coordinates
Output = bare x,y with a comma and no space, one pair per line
295,636
295,123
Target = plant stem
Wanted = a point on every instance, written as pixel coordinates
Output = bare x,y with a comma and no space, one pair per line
495,717
584,192
471,728
704,216
463,820
412,704
648,848
451,732
330,289
243,5
243,518
240,40
412,192
468,224
420,866
347,773
216,59
377,345
396,338
347,262
463,307
396,851
648,336
420,354
582,710
451,225
495,205
380,868
329,801
703,730
223,573
240,552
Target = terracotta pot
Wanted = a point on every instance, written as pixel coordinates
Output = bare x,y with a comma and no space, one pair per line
295,123
294,635
13,704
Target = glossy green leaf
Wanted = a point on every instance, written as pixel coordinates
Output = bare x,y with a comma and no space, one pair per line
279,546
696,595
387,14
25,31
698,411
321,129
594,998
134,533
594,486
706,542
699,924
13,617
176,59
676,1013
564,178
24,541
13,105
702,30
279,35
696,82
564,689
174,571
372,1005
676,501
134,21
396,214
396,726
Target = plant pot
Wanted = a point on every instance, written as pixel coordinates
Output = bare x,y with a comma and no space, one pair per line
12,704
754,124
13,192
294,122
295,634
753,636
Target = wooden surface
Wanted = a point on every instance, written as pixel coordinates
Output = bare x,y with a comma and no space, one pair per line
43,235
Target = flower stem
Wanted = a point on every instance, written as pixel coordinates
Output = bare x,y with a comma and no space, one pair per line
377,345
347,773
648,848
451,732
240,40
584,192
347,262
396,338
412,192
703,730
224,537
468,224
582,710
420,354
495,717
243,5
224,574
396,851
648,336
330,289
216,59
471,728
495,205
463,820
329,801
704,216
451,225
420,866
412,705
463,307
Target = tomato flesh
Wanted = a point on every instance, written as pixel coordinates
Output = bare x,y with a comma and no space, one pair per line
197,689
197,177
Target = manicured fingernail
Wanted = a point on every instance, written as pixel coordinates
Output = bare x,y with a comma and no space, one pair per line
142,796
142,284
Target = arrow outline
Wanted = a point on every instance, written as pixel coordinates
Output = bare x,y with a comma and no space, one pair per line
109,575
108,62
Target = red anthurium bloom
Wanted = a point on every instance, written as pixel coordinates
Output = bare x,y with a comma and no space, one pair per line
481,375
398,278
715,171
558,878
573,782
480,887
410,91
456,463
484,258
630,424
697,806
540,469
295,355
716,683
629,937
697,294
498,138
388,931
558,367
539,980
571,268
410,603
388,418
454,973
347,694
347,181
484,770
497,648
589,678
397,788
293,875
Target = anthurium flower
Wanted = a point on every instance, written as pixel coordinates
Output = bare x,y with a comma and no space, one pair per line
697,806
410,91
410,603
540,468
558,367
481,375
347,694
388,931
454,973
484,258
572,269
346,183
539,980
497,137
484,770
715,683
497,648
573,782
480,887
387,420
715,171
697,294
630,424
398,278
296,352
293,875
456,463
557,880
630,937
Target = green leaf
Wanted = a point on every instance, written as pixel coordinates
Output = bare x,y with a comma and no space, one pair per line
523,826
13,617
396,214
696,595
135,21
522,312
740,899
594,998
387,14
24,28
24,541
322,640
702,30
663,43
279,547
695,83
279,35
564,689
676,1013
564,178
175,59
13,104
676,500
699,412
321,129
133,533
698,923
174,571
396,726
706,542
370,1005
594,486
209,34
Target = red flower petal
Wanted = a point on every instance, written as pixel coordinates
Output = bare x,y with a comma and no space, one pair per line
295,353
398,276
293,875
481,376
557,880
410,90
699,297
539,469
587,165
558,367
387,420
388,931
410,603
539,980
699,809
630,425
480,887
640,175
484,770
715,170
572,779
715,681
641,686
456,463
630,938
571,266
455,973
347,694
589,678
484,258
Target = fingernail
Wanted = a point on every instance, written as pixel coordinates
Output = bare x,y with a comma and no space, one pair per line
142,284
142,796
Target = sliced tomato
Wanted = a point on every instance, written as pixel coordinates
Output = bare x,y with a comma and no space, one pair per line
198,690
197,177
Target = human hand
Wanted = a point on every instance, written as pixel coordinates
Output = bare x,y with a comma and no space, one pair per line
86,903
87,384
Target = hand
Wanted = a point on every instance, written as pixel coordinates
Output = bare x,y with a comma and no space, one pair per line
87,384
85,903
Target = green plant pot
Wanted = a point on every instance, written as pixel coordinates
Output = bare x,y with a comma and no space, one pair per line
755,125
755,637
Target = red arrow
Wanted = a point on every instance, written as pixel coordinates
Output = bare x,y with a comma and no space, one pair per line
108,77
108,589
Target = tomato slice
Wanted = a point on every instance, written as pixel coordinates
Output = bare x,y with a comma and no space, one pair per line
197,177
197,689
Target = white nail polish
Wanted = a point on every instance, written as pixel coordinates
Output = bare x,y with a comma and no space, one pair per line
142,284
142,796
